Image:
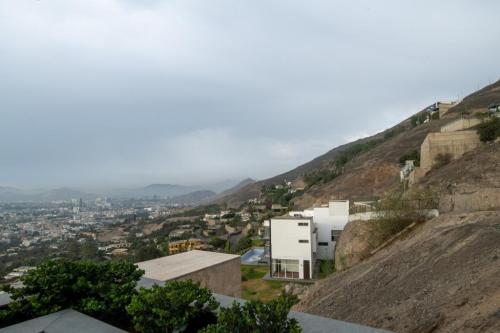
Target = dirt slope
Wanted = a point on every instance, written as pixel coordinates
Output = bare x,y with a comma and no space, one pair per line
479,100
368,174
443,277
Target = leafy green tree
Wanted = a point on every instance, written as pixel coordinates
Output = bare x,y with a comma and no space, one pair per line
257,317
89,250
244,243
179,306
217,242
227,247
148,252
99,289
73,249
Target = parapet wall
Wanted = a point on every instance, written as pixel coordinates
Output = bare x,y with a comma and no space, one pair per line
460,124
224,278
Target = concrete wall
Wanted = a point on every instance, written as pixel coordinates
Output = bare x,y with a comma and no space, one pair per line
453,143
460,124
223,278
444,107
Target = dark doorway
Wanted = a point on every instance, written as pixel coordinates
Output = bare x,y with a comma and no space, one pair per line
306,270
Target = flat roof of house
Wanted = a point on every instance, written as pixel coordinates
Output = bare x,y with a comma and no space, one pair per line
287,217
178,265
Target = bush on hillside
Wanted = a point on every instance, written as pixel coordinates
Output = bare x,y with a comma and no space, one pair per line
217,243
326,268
489,130
396,211
244,243
413,155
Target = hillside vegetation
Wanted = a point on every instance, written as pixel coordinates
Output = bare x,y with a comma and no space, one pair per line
365,168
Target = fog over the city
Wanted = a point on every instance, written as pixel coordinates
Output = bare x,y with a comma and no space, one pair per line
121,93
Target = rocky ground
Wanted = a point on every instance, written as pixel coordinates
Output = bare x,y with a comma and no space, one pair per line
444,276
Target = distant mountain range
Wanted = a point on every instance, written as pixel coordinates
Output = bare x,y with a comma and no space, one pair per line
180,194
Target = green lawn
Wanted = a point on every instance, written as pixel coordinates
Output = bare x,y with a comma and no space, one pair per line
258,242
253,287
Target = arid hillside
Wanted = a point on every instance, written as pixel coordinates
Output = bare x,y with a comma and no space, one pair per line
371,172
376,170
442,277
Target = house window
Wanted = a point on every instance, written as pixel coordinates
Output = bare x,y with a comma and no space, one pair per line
333,237
303,224
285,268
323,243
303,241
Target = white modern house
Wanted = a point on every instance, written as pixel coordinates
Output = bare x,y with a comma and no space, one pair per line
293,247
302,237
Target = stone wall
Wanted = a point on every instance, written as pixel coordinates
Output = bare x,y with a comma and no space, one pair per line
481,199
453,143
223,278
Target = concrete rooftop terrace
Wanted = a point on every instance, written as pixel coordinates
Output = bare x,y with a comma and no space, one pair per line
177,265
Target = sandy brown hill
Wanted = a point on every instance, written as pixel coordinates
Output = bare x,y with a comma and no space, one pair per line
370,173
479,100
443,277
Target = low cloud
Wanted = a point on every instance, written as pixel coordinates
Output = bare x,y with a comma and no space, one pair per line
108,92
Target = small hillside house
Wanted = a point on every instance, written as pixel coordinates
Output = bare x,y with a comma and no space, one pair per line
302,237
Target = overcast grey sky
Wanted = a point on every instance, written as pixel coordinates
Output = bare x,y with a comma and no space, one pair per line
120,93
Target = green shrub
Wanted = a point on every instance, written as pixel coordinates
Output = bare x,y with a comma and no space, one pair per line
326,268
489,130
244,243
395,212
217,242
411,155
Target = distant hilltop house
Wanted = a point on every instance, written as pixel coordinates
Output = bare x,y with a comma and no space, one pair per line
301,238
442,107
453,140
407,169
494,109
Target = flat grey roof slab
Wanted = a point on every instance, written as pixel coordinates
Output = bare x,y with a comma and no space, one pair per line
177,265
4,298
62,322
